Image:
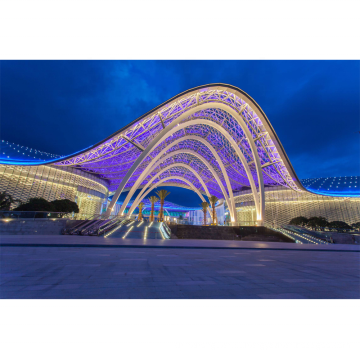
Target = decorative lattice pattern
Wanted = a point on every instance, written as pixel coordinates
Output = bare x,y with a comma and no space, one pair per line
112,159
283,204
50,183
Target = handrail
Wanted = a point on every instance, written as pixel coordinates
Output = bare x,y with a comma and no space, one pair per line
47,215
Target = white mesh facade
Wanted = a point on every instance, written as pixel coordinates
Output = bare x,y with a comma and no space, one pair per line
51,183
282,205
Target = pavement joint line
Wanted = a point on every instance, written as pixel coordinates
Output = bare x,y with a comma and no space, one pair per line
169,247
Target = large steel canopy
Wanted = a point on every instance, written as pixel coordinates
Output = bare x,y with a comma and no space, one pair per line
213,138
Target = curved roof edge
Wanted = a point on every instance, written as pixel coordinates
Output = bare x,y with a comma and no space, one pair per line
237,91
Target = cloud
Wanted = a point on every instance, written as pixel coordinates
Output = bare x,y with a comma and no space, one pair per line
65,106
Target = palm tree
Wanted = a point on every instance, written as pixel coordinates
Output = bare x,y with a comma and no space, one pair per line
141,205
204,206
153,200
162,194
213,200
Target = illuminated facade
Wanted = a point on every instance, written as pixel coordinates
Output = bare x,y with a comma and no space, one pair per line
50,183
213,139
284,204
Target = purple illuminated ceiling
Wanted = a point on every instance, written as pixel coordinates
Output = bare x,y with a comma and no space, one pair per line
113,158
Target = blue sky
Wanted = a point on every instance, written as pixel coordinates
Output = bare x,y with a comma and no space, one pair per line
64,106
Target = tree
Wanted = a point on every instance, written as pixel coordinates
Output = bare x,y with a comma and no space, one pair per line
36,204
141,205
153,200
317,222
162,194
213,200
299,221
339,225
204,205
65,206
62,207
6,200
356,225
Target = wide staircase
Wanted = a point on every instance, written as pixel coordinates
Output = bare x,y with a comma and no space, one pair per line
302,235
124,228
119,227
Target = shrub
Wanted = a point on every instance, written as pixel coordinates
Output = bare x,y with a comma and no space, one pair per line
317,222
36,204
339,225
299,221
65,206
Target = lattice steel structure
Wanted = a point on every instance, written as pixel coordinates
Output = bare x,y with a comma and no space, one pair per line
213,139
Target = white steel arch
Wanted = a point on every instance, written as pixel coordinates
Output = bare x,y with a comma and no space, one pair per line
175,126
171,178
204,161
157,175
175,184
149,168
170,155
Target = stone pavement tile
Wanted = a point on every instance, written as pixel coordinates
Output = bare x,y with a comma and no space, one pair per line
322,295
101,275
19,295
168,255
222,287
66,286
227,280
200,277
207,260
10,273
259,281
36,287
298,280
185,288
132,294
10,288
265,260
196,283
6,280
48,281
102,285
282,296
170,295
251,286
172,278
348,294
176,265
188,294
71,280
163,284
20,281
126,273
93,265
125,260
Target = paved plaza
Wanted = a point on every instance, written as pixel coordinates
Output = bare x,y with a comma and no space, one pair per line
82,272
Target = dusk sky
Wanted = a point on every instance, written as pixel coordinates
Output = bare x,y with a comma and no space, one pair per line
64,106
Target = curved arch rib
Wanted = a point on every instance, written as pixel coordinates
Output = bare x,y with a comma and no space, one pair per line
201,158
170,178
225,134
170,128
156,176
